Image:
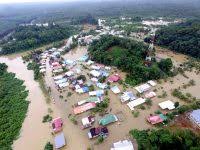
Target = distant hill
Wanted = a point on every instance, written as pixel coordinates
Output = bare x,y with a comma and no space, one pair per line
183,38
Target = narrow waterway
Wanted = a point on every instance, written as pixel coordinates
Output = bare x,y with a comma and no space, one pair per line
34,134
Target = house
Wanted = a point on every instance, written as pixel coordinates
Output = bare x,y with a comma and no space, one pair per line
95,67
114,78
167,105
115,89
95,73
90,99
135,103
143,88
58,77
94,79
152,83
102,85
84,89
84,108
57,124
63,85
69,73
127,96
99,131
96,93
59,141
150,95
63,80
87,122
108,119
194,116
155,119
122,145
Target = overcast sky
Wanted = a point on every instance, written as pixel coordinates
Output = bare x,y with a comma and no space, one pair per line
23,1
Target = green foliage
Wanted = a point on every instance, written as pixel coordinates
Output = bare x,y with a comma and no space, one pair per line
149,101
176,104
73,119
48,146
102,79
166,139
46,118
81,77
35,67
177,93
31,37
183,38
100,107
135,113
13,107
165,65
111,50
88,19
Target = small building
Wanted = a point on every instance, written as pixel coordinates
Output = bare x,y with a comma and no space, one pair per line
87,122
152,83
135,103
95,73
155,119
143,88
96,93
99,131
150,95
102,85
122,145
57,124
114,78
84,108
195,117
167,105
110,118
115,89
127,96
59,141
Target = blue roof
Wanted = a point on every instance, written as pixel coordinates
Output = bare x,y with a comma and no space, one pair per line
59,140
195,115
85,89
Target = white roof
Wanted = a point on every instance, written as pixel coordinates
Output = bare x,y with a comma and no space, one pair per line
152,83
89,62
95,73
58,77
94,79
69,73
136,102
122,145
62,85
115,90
143,88
150,95
85,121
42,70
95,67
167,105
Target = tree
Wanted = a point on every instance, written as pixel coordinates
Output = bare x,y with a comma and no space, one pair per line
176,104
165,64
48,146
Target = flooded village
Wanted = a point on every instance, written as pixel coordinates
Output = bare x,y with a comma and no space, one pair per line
86,100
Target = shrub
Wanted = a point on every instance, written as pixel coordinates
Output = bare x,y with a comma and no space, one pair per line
48,146
47,118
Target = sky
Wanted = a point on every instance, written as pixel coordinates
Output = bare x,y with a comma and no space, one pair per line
25,1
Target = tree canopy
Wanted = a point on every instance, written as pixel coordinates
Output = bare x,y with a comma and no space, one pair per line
30,37
183,38
13,107
129,56
166,139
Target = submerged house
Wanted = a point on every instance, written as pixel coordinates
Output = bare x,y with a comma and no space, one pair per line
167,105
114,78
60,141
96,93
155,119
150,95
89,100
87,122
84,108
57,124
127,96
115,89
110,118
194,116
122,145
135,103
143,88
99,131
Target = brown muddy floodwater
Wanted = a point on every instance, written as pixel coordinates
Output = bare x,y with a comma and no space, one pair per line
34,134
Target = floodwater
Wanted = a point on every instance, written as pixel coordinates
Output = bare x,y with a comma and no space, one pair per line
34,134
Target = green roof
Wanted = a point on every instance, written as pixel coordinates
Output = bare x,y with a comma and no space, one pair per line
163,117
92,99
107,119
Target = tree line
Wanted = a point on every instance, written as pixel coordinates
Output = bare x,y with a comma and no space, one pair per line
129,56
183,38
30,37
13,107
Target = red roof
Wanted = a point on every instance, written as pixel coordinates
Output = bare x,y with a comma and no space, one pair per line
83,108
57,124
155,119
114,78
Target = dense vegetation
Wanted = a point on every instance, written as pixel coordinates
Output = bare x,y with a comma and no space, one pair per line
88,19
29,37
13,107
183,38
166,139
129,56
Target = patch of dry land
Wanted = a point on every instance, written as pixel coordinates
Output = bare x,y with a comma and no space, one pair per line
35,133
